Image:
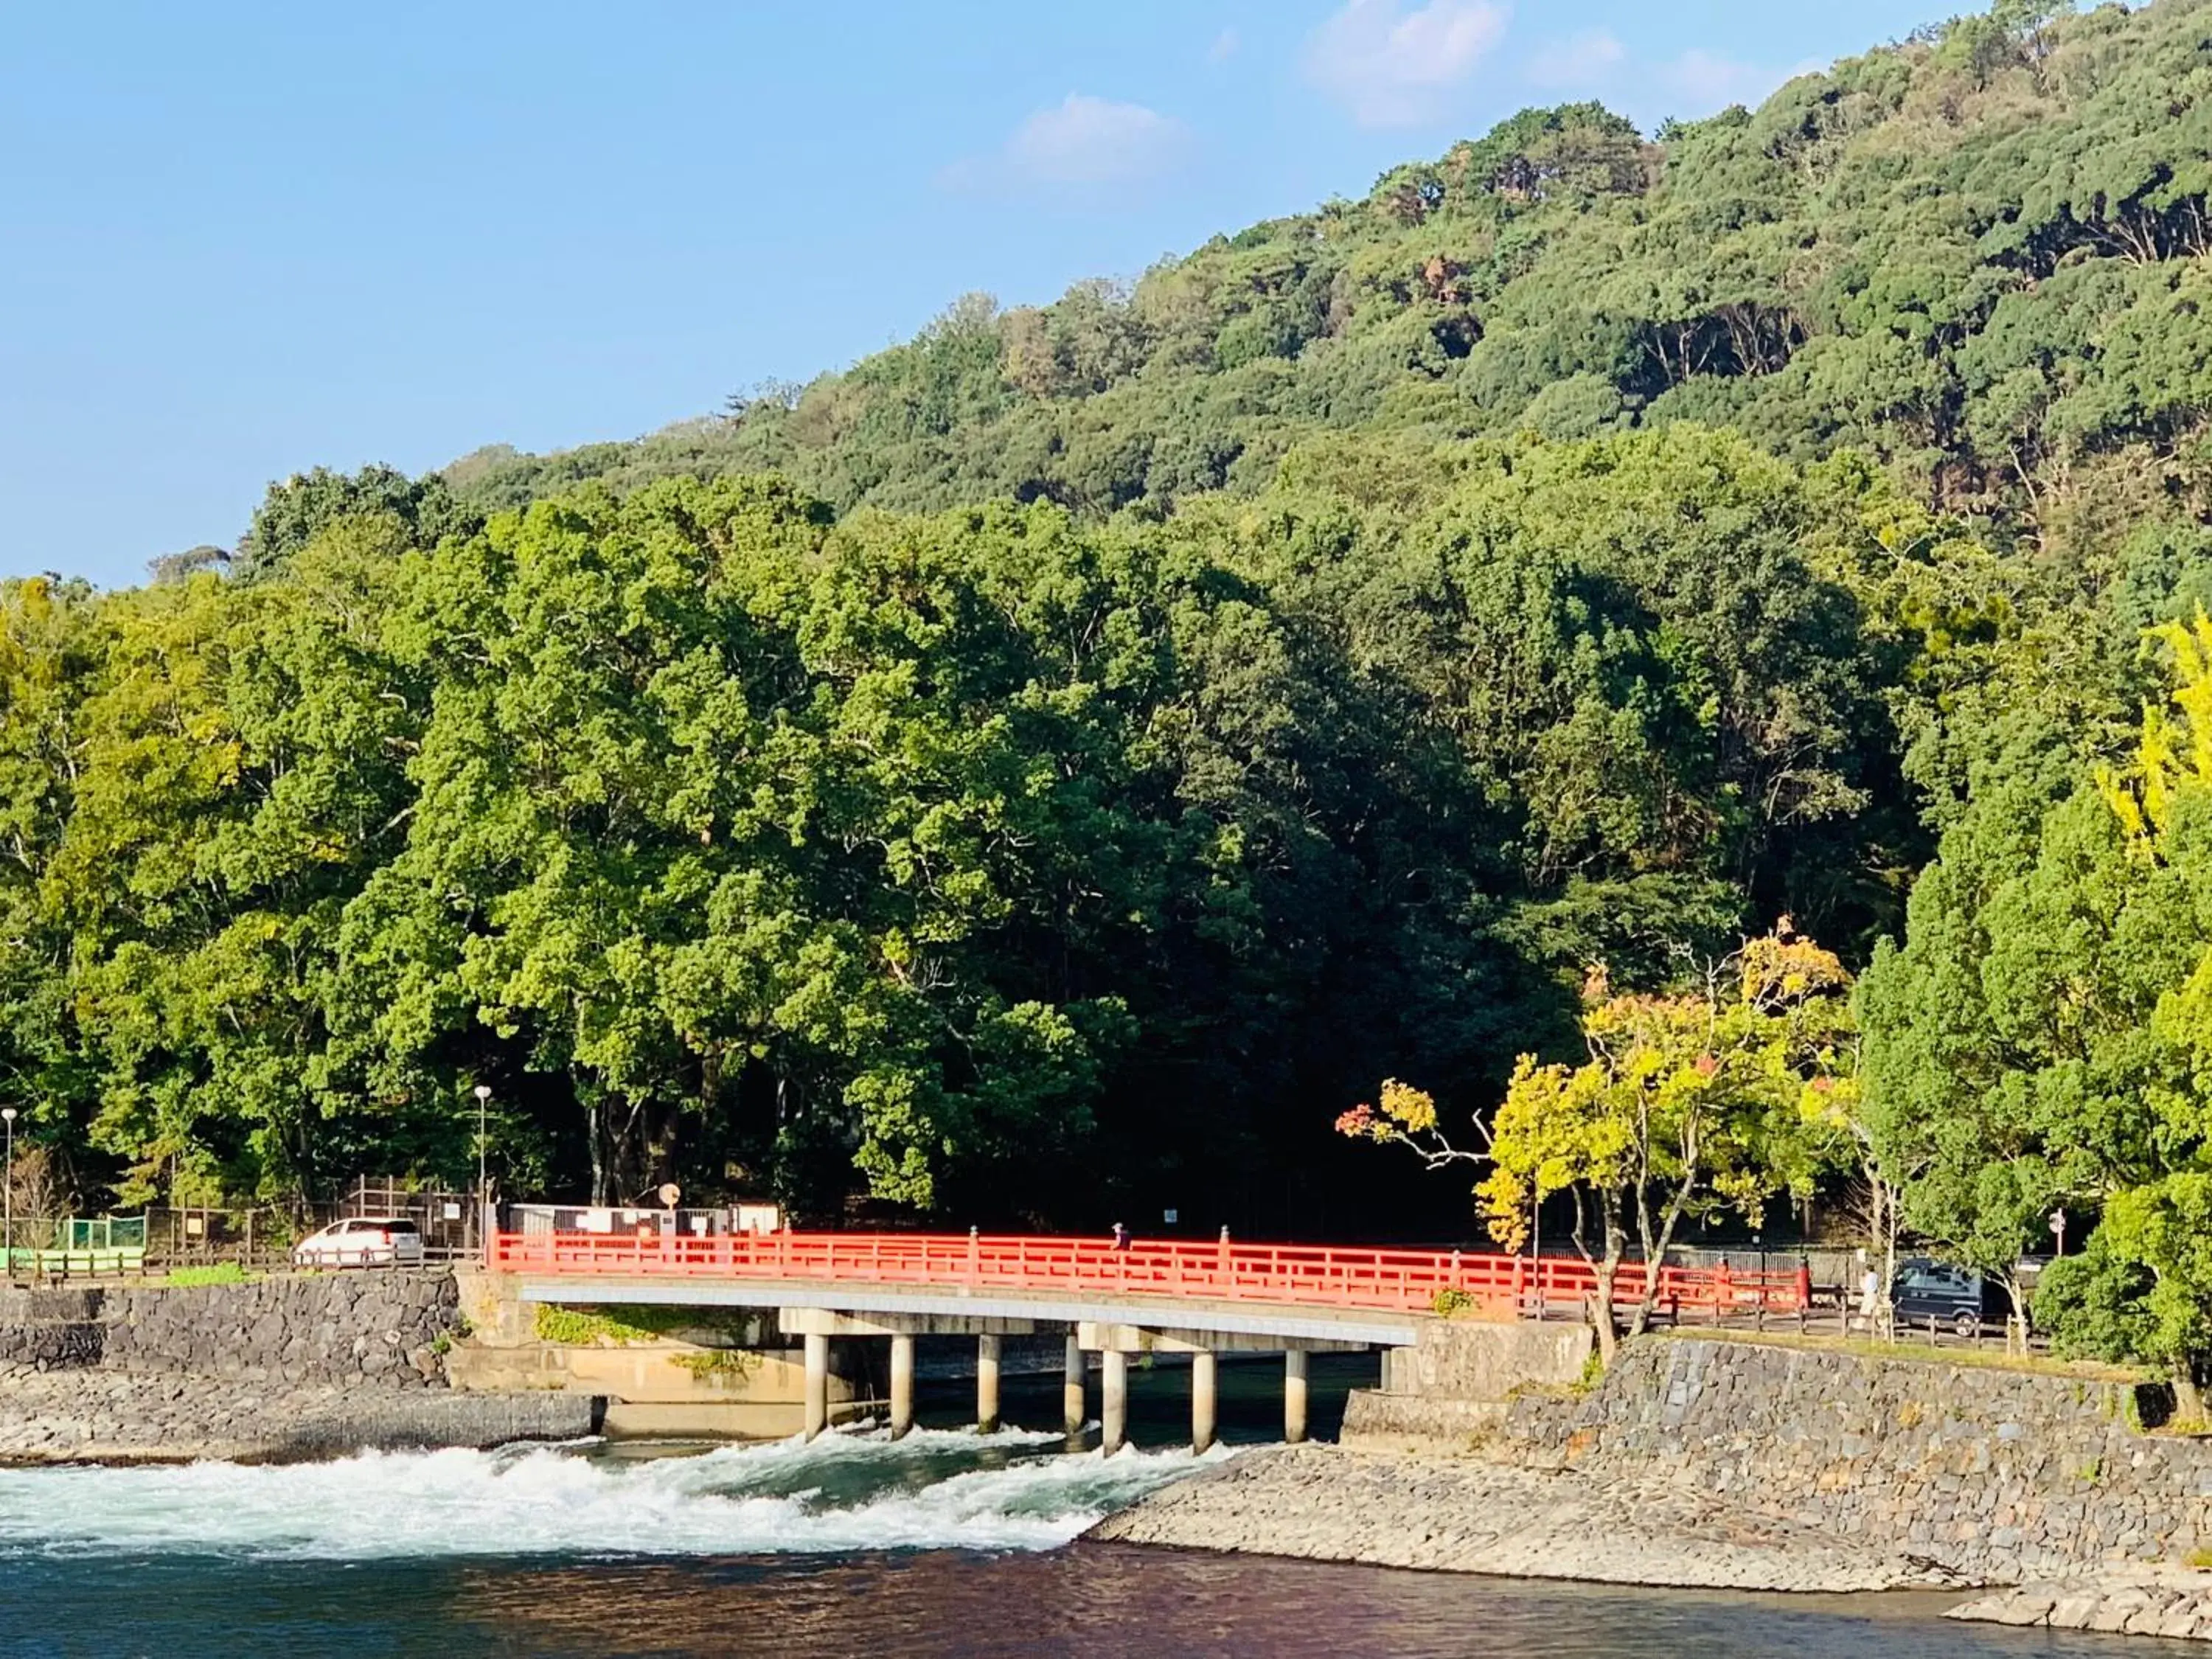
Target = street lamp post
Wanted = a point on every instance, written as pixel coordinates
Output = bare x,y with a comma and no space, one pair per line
484,1183
8,1189
483,1102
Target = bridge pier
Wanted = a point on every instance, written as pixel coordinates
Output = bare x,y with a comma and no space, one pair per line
1073,1410
1114,1404
818,1384
818,1325
986,1384
902,1386
1117,1341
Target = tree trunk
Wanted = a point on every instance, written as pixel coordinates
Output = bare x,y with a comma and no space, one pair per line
660,1161
596,1134
1601,1310
2188,1397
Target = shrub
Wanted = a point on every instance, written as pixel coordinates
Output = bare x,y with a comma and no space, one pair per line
222,1272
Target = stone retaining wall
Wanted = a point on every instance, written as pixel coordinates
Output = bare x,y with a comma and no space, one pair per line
1997,1474
381,1327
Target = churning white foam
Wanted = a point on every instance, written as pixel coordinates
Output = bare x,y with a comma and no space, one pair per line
933,1489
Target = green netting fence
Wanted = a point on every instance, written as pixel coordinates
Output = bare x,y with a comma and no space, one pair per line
106,1232
79,1247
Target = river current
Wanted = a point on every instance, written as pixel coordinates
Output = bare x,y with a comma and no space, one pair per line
942,1544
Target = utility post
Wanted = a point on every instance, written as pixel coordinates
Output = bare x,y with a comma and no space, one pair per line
7,1186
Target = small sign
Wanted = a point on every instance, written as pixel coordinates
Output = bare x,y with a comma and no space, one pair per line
1170,1217
451,1210
195,1225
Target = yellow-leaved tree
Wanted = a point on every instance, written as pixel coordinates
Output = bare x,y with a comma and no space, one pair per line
1708,1098
2174,754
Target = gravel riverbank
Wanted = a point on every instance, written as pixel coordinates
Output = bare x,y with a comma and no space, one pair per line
78,1416
1462,1514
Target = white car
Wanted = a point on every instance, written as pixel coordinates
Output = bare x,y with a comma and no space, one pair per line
363,1242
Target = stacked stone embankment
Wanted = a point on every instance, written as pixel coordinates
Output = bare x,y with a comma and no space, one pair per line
2147,1601
1468,1515
1995,1474
103,1416
301,1366
1735,1464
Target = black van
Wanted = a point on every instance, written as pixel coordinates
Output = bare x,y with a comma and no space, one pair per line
1925,1289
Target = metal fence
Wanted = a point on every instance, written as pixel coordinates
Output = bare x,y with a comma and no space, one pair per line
253,1238
451,1226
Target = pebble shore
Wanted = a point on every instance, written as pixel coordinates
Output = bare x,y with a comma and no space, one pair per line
115,1417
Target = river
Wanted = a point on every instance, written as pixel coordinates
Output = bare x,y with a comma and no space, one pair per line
939,1544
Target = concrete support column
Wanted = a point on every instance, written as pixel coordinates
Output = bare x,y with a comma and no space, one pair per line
1114,1408
1203,1381
1294,1396
986,1385
1394,1371
902,1386
1072,1407
817,1385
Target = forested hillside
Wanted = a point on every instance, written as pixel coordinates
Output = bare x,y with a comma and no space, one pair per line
1054,768
1974,257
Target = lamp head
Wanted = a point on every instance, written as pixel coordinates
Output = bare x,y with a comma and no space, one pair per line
7,1114
482,1092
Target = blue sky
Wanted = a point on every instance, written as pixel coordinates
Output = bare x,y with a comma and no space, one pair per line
244,239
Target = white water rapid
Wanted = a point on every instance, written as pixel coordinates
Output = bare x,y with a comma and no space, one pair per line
848,1492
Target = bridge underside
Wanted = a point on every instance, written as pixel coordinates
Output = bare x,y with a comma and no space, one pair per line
1355,1327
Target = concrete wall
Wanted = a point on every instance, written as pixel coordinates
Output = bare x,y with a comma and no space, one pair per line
1452,1384
737,1375
328,1328
1472,1360
1995,1472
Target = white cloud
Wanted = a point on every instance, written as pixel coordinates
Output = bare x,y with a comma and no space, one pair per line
1223,47
1584,63
1082,143
1706,82
1400,69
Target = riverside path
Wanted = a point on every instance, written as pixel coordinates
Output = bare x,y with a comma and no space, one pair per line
1203,1298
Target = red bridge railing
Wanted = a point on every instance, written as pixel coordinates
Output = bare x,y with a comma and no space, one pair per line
1318,1276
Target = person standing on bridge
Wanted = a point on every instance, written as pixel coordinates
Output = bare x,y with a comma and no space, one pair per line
1121,1237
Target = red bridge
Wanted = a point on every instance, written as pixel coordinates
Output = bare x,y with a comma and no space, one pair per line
1199,1299
1280,1275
